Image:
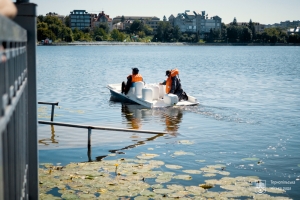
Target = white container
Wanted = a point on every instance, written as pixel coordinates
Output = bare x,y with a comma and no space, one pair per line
131,91
162,91
155,89
171,99
147,94
138,88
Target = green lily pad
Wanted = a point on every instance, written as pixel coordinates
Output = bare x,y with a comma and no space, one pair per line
173,166
209,175
183,177
186,142
181,153
192,171
147,156
250,159
298,165
163,191
206,186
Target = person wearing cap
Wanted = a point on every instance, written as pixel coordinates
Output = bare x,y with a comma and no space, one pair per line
173,85
134,77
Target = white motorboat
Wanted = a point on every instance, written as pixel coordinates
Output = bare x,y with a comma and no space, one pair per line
149,95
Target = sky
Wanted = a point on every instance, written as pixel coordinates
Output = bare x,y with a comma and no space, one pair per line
262,11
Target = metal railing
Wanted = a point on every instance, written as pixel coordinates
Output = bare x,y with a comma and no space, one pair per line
13,111
18,150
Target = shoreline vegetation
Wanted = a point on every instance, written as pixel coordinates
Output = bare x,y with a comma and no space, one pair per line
50,29
112,43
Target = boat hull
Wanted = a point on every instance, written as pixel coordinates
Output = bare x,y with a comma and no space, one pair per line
116,95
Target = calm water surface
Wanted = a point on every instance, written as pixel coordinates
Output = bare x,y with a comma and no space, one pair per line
249,107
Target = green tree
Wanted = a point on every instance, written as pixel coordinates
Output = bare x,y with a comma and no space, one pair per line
234,22
252,28
246,34
99,34
122,19
104,26
136,26
67,21
66,34
115,34
40,18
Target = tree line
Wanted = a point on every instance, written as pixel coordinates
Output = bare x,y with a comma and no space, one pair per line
53,28
57,30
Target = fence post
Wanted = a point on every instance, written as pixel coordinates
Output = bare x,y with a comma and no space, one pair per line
26,18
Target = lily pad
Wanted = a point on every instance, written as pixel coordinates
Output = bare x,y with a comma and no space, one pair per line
163,191
181,153
192,171
206,186
186,142
209,175
251,159
183,177
147,156
173,166
298,165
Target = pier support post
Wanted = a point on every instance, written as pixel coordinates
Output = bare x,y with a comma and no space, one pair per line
89,144
26,18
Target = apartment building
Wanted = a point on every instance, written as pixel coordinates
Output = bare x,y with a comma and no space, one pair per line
285,24
151,21
101,18
195,22
80,19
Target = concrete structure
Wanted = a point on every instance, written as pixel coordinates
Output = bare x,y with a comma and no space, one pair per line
101,18
195,22
151,21
80,19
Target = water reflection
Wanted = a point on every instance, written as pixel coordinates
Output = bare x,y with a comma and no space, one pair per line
172,117
52,140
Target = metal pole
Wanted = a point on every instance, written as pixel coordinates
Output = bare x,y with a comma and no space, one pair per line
52,113
26,18
102,128
89,144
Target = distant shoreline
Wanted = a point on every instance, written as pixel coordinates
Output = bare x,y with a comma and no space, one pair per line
104,43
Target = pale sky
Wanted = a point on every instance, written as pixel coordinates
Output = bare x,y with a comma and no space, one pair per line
262,11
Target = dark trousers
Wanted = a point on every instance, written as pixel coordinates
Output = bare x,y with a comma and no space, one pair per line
126,87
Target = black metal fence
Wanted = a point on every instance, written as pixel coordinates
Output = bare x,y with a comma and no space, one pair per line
18,157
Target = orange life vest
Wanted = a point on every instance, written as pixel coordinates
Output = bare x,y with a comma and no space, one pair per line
173,73
136,78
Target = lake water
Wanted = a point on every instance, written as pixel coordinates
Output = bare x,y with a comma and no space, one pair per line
248,117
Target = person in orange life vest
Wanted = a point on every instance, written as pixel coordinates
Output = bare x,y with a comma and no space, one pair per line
134,77
173,85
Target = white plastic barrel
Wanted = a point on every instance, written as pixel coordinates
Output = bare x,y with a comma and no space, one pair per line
155,89
171,99
147,94
162,91
138,88
131,91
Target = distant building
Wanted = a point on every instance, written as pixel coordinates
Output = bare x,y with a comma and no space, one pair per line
80,19
285,24
195,22
151,21
61,17
259,28
294,31
101,18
